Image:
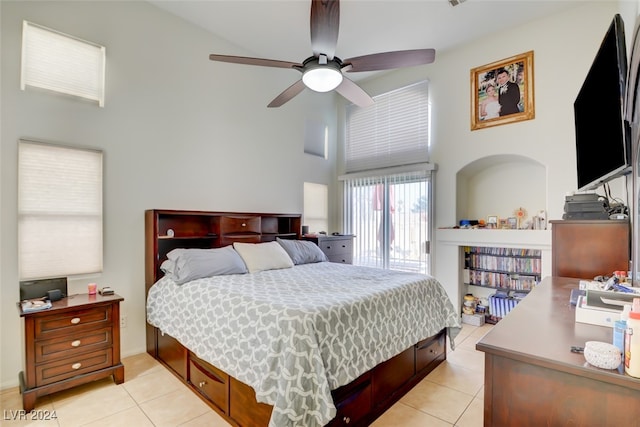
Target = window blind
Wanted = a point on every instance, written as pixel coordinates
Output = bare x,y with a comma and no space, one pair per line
62,63
316,207
59,210
392,132
390,217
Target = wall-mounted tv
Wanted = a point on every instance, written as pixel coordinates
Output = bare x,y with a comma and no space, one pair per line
603,139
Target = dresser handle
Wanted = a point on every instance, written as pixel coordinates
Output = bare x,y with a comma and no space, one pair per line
75,343
75,320
76,365
244,224
346,420
202,384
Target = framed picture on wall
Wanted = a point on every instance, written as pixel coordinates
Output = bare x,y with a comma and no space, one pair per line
502,92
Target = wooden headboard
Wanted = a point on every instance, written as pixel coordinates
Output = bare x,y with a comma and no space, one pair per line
166,230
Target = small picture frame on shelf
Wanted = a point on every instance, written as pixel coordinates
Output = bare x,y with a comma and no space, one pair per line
502,223
513,222
492,221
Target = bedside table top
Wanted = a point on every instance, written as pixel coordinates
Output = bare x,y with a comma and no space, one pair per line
73,302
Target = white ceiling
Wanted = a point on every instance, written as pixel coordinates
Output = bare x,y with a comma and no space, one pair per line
276,29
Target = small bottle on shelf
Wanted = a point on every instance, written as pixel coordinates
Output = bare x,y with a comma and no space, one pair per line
632,341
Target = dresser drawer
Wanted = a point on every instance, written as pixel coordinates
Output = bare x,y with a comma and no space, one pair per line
55,371
429,350
72,345
73,321
211,382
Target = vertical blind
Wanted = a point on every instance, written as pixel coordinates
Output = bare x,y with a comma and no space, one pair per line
62,63
59,210
394,131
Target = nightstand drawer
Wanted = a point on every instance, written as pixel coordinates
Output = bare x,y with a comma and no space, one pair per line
52,372
344,258
69,346
336,246
67,323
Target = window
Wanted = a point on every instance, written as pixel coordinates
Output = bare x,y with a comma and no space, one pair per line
62,63
394,131
390,215
59,210
316,207
388,185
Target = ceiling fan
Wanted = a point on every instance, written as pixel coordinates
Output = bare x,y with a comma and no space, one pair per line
322,72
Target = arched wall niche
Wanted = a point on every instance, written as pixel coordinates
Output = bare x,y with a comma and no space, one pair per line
500,184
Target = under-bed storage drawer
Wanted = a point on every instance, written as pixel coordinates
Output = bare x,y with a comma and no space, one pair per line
353,402
390,375
429,350
210,381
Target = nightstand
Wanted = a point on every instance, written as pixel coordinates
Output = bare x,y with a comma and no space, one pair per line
336,248
74,342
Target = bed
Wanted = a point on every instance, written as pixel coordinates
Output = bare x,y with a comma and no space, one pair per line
287,344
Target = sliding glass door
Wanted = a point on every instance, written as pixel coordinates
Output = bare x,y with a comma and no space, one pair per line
390,216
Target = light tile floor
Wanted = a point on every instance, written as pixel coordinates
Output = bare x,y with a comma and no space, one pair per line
451,395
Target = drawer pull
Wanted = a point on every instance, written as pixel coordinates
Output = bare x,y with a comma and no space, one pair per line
202,384
244,224
75,320
328,247
344,246
346,420
75,343
76,365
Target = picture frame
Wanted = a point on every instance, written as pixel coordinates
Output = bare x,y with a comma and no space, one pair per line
513,222
502,223
492,221
512,98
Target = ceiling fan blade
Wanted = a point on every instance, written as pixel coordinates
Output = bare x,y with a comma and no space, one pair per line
354,93
390,60
325,24
287,94
255,61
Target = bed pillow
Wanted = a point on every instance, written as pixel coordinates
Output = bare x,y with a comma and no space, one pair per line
184,265
263,256
302,251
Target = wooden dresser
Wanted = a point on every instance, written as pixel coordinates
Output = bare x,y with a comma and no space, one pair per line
74,342
589,248
336,248
533,379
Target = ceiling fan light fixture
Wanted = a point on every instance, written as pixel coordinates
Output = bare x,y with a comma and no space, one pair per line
322,78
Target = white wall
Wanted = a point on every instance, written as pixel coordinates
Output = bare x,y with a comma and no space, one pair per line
178,132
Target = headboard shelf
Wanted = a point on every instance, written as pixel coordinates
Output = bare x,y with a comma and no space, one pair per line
166,230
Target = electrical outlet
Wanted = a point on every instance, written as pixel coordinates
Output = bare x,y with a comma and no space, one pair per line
123,321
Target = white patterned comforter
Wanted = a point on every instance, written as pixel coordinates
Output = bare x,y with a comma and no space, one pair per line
298,333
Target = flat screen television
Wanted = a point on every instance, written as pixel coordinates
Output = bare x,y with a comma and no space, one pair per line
603,138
